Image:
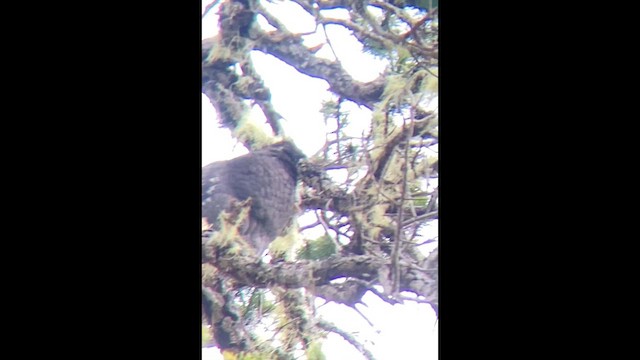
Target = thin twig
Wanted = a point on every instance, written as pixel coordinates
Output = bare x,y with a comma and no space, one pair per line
375,291
363,316
326,36
209,7
323,324
362,33
303,228
399,12
322,221
427,216
428,241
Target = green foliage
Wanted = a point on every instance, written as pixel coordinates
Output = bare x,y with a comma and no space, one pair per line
218,52
394,90
314,352
352,150
318,249
249,130
430,81
283,246
228,355
420,4
329,108
256,305
420,201
207,338
375,48
427,4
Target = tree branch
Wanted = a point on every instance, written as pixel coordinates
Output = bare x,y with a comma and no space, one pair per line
312,275
362,33
289,49
323,324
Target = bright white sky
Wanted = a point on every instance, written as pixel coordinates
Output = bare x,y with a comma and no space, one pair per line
407,331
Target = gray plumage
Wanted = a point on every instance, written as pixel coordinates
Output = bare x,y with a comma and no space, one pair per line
268,176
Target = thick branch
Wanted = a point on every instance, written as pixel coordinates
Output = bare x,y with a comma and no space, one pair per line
224,316
314,274
393,139
289,49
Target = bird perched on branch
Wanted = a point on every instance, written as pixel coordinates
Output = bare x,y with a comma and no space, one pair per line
268,176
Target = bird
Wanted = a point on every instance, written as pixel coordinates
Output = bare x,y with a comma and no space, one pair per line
268,177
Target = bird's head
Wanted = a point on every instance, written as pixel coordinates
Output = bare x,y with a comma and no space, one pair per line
287,152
